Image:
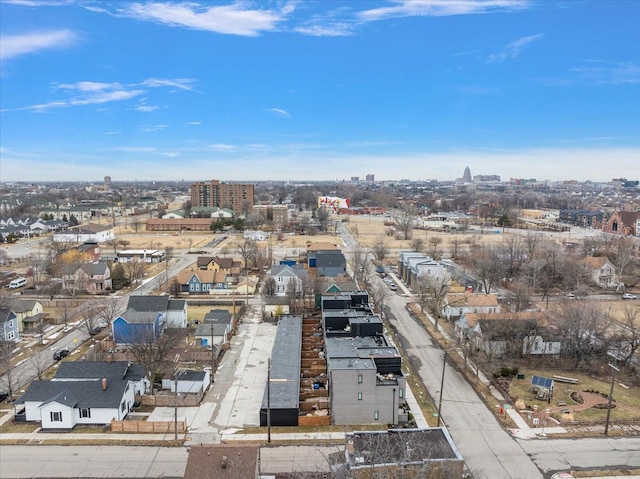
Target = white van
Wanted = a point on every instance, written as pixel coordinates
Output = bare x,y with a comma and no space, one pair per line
18,283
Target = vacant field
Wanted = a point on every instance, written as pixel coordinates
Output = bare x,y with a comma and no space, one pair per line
628,398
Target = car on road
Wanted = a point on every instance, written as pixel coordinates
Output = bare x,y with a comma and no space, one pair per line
570,295
3,395
60,354
95,330
392,287
629,296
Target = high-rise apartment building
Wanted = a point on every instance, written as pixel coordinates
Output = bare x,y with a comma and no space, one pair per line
235,196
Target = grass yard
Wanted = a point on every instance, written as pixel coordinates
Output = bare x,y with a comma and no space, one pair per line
628,399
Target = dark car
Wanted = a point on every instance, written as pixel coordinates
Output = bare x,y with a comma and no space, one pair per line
3,395
60,353
95,330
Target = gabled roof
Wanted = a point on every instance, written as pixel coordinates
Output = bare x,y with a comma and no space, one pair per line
473,318
205,276
506,329
94,370
6,314
330,259
322,246
219,329
218,316
205,461
22,305
459,300
176,305
284,270
80,394
190,375
595,262
148,303
140,317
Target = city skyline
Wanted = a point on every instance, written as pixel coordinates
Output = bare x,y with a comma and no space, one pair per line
252,91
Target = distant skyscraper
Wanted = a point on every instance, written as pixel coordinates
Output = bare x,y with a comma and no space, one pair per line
371,177
466,177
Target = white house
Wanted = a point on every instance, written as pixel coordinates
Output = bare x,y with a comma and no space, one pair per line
458,304
287,277
255,235
64,404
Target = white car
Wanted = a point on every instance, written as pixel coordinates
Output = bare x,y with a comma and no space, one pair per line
629,296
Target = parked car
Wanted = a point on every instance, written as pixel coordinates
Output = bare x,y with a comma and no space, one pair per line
629,296
3,395
392,287
95,330
60,354
570,295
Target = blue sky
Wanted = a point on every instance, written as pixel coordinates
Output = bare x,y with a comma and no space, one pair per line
319,90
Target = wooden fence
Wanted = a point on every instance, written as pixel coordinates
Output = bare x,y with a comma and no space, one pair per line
148,427
314,420
170,399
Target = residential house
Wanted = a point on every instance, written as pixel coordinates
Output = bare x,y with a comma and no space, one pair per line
65,404
92,278
288,279
510,334
96,370
146,317
273,306
29,313
213,212
201,282
601,270
8,325
314,248
330,263
583,218
223,461
172,215
228,266
213,335
457,304
90,252
90,233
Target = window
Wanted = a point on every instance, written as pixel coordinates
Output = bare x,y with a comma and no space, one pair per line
10,324
359,396
10,335
376,415
359,378
85,412
56,416
122,406
401,393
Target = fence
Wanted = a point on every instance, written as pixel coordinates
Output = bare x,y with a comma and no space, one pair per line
148,427
166,400
314,420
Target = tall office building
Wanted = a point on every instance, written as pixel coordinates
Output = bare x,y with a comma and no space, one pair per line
466,177
235,196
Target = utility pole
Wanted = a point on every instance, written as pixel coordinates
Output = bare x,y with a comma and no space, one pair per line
269,400
613,378
175,406
444,365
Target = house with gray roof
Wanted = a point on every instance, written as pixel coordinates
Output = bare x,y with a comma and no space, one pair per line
93,370
92,278
8,325
64,404
146,317
288,278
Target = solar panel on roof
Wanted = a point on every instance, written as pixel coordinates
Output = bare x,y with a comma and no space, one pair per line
541,382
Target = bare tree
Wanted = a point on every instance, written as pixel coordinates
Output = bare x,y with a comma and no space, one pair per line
432,291
512,251
434,248
247,249
107,309
627,335
624,255
134,270
361,264
405,218
380,294
488,267
8,379
417,244
322,215
40,362
152,352
519,296
90,319
584,326
455,247
380,248
269,287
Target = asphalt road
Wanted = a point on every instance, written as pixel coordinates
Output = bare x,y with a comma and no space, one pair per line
92,461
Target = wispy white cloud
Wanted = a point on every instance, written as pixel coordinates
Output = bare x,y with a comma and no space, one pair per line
280,112
221,146
439,8
609,72
513,49
152,128
339,29
194,123
15,45
235,19
146,108
39,3
90,93
180,83
112,132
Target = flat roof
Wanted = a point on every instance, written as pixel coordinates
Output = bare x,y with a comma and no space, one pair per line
285,365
